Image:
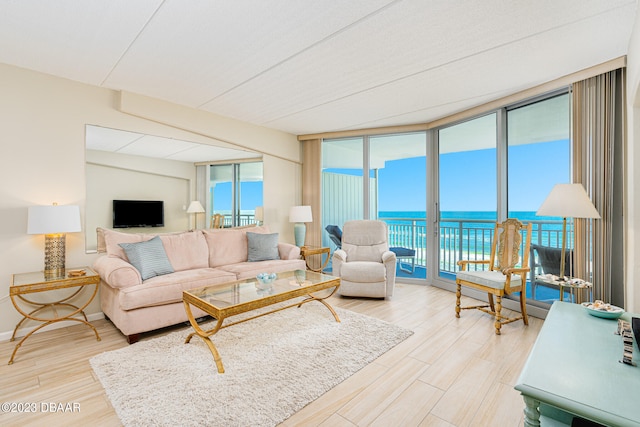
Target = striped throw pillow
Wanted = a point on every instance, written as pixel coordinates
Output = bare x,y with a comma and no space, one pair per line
148,257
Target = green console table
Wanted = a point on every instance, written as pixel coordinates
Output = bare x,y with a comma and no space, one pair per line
574,370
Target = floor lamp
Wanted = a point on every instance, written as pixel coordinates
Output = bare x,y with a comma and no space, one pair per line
195,208
567,200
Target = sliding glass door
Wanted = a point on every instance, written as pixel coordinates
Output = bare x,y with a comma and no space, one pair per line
398,163
539,153
467,191
235,190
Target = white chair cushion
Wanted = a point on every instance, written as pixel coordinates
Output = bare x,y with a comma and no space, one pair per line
492,279
363,272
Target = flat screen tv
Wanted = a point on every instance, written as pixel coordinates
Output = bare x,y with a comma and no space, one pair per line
138,213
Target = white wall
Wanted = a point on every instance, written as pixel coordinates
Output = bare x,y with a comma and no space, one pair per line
111,176
42,160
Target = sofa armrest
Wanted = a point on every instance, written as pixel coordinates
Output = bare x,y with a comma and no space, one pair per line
288,251
116,272
339,257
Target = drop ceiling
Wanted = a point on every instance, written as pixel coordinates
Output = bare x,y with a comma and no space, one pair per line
99,138
316,66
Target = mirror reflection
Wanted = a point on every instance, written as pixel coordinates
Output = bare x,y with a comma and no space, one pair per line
124,165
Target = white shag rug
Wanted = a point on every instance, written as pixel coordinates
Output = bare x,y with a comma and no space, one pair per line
274,366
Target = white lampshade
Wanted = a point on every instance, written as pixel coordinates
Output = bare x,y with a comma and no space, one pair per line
568,200
300,214
53,219
195,207
259,213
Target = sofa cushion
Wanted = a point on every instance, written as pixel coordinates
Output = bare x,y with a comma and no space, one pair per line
167,289
187,250
229,245
112,240
363,272
262,247
148,257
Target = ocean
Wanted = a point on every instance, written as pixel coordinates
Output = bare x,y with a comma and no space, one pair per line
466,215
467,231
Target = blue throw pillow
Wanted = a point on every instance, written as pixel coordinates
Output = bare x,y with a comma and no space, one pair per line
148,257
262,247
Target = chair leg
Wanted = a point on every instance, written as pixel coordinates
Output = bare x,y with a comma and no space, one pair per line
491,304
523,306
458,292
498,323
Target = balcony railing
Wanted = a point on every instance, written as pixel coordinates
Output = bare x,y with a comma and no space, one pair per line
462,238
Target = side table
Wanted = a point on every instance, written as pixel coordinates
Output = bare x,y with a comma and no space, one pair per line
307,251
29,283
577,289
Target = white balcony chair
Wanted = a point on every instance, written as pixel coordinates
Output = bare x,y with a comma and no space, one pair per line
365,265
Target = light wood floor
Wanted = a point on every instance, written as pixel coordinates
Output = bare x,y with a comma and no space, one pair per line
451,372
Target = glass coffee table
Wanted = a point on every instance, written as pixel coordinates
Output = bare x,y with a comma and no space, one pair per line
224,300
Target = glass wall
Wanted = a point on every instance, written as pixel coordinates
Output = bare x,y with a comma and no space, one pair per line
342,183
379,177
501,164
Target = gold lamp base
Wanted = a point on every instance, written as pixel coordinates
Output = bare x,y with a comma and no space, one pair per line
54,256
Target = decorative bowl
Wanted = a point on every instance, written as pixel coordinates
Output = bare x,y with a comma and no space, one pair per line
265,280
605,311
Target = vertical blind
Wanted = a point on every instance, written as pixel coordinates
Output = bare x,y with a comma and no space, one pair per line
598,138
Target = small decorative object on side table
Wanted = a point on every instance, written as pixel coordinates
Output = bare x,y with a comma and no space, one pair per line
307,251
571,284
29,283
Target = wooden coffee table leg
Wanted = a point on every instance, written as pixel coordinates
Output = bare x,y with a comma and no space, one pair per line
205,336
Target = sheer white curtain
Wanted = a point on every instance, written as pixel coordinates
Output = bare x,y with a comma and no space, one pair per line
598,141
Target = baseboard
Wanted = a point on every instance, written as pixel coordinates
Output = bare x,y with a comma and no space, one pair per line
6,336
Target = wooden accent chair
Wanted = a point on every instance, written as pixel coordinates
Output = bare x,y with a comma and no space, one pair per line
502,277
217,221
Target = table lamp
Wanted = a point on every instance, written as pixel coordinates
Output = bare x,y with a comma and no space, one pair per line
195,208
567,200
259,215
54,221
299,215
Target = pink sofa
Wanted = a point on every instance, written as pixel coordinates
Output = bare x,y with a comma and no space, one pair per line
197,258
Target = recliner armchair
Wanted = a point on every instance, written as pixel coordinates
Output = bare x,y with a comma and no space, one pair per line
365,265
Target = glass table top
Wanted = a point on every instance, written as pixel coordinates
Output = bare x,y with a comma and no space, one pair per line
247,290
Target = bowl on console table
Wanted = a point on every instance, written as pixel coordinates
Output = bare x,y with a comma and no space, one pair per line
603,310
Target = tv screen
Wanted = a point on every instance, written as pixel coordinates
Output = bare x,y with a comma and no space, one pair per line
138,213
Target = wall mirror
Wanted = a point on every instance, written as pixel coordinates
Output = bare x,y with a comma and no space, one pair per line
125,165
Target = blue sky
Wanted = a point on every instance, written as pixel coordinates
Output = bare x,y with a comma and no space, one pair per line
250,197
468,179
